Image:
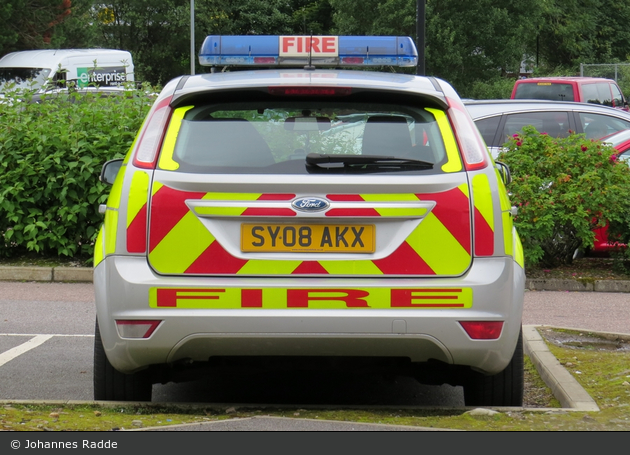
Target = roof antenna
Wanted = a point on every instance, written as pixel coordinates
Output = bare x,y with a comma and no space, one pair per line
310,66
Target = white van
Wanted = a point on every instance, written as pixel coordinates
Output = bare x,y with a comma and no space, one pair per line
37,69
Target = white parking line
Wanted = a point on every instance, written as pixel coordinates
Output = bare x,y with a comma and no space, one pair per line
24,347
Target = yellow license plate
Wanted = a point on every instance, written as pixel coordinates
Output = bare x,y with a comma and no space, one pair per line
310,238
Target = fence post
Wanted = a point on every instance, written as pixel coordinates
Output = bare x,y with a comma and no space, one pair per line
581,69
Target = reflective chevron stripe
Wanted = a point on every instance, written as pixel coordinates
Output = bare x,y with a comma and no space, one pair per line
137,213
483,215
180,243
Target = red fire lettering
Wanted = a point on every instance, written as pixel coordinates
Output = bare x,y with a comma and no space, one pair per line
251,298
314,43
168,297
328,44
287,41
353,298
404,298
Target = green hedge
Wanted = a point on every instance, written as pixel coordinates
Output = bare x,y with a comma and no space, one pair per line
563,189
51,154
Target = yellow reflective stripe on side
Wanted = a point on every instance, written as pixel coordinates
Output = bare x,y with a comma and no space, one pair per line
445,255
315,298
503,194
482,198
174,256
113,201
454,163
111,228
168,148
508,228
138,194
519,256
99,247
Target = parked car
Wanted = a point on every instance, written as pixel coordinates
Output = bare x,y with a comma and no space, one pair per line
621,142
594,90
498,120
308,214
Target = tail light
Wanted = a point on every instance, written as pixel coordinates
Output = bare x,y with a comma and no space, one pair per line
152,135
483,330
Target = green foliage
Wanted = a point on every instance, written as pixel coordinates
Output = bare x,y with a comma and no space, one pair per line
563,189
494,89
29,24
51,156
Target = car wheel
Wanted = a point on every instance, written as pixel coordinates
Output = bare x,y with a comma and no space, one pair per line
112,385
502,389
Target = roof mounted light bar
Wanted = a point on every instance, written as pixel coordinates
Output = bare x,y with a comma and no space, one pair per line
297,50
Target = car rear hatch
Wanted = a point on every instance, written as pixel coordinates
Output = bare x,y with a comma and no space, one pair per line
256,183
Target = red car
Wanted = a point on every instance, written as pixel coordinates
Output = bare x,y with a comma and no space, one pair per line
621,142
594,90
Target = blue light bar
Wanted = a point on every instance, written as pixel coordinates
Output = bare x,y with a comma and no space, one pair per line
294,50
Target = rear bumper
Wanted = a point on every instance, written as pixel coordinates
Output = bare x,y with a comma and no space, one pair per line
123,287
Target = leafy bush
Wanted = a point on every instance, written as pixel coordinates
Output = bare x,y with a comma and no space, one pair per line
494,89
563,188
51,156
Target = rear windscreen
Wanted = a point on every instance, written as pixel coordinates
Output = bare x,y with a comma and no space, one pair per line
544,91
264,137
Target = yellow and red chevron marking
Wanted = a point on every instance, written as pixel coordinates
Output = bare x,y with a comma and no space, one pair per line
316,298
483,216
180,244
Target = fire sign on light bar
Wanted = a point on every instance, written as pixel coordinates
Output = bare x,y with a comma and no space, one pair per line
279,50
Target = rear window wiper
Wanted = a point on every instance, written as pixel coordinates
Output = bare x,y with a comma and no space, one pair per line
366,162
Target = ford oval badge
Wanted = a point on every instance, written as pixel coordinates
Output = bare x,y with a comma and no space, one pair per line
310,204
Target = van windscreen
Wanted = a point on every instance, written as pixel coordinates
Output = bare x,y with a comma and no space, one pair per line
22,78
544,91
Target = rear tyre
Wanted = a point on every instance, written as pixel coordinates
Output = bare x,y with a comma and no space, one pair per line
502,389
112,385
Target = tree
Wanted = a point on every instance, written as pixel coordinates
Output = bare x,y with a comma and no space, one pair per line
583,31
30,24
466,42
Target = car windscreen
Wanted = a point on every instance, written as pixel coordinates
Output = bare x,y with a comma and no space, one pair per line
301,137
544,91
21,78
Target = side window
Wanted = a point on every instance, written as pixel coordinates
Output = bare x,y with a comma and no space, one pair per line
604,94
488,129
596,126
618,98
555,124
590,94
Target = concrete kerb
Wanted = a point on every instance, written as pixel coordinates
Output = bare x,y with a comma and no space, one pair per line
65,274
564,387
578,285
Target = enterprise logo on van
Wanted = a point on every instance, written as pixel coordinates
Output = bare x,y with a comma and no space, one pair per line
102,77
